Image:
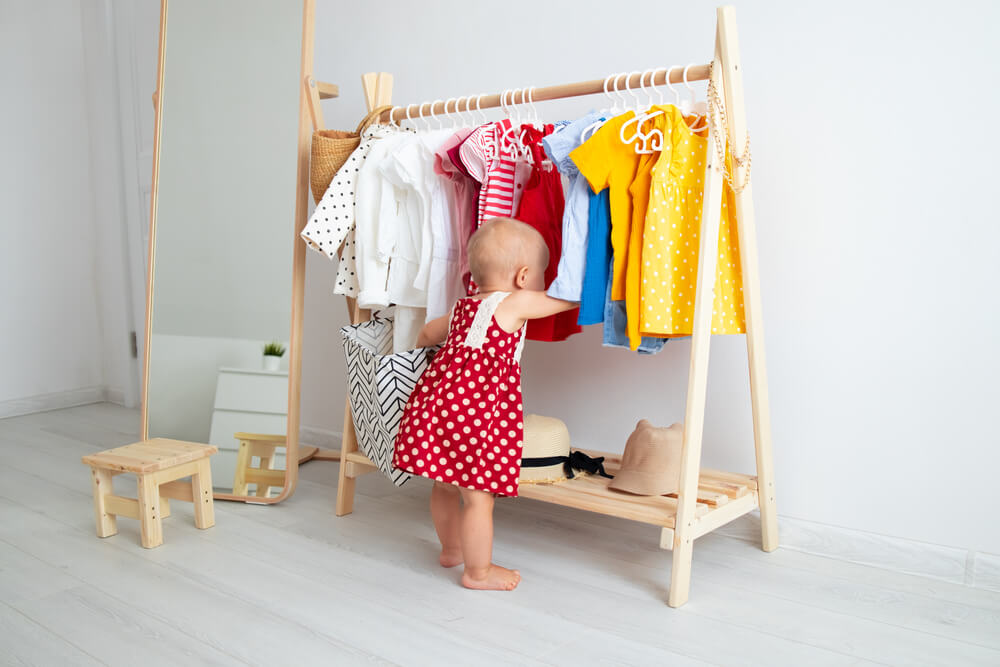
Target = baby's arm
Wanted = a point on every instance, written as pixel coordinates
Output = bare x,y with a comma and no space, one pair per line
433,333
529,305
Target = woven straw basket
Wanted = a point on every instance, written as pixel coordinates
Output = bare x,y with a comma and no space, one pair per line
330,150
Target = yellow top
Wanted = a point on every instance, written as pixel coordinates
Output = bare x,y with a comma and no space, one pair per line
670,241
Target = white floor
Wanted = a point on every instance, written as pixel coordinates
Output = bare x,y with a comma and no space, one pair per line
294,585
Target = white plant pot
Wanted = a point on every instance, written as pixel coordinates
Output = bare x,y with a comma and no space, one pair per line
271,362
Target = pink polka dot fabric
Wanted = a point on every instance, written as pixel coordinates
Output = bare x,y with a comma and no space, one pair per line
464,422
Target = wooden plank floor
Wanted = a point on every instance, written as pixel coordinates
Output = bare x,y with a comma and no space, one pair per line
292,584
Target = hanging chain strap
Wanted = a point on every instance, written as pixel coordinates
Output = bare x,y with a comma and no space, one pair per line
719,122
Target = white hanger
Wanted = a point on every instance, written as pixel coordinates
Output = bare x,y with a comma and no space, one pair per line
392,121
506,141
412,123
606,111
691,106
631,90
535,118
436,118
454,121
677,96
479,99
649,139
425,119
615,109
644,89
653,78
468,110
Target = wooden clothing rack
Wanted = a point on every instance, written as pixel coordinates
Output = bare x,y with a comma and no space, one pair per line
706,499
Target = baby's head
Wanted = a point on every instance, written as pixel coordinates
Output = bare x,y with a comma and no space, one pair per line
506,253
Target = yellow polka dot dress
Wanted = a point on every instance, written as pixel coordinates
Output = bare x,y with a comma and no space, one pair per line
670,241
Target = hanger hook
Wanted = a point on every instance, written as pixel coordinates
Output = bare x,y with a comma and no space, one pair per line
435,117
618,94
408,119
531,103
392,121
642,86
677,95
688,85
652,81
447,114
427,123
631,90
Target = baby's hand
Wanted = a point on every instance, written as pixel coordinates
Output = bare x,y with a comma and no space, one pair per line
433,333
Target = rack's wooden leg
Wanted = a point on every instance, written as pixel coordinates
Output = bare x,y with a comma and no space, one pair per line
149,511
201,495
680,569
345,482
694,412
107,524
728,58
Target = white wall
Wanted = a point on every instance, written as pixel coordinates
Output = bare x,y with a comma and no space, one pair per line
64,284
878,239
50,328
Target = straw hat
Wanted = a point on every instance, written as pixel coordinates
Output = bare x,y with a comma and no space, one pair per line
651,464
545,438
547,458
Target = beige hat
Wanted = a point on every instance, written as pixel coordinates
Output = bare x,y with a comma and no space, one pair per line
651,464
547,458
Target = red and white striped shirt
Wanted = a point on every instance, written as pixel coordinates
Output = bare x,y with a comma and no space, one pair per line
502,176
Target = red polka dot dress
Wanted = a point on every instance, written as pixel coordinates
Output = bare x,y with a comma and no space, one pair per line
464,422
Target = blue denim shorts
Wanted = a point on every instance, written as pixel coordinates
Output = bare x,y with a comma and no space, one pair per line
615,319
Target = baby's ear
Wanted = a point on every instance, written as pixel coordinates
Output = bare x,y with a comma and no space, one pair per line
521,277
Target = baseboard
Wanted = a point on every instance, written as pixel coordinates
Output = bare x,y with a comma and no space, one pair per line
985,571
320,437
953,564
55,401
115,395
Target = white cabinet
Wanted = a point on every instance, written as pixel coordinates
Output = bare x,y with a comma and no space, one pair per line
251,401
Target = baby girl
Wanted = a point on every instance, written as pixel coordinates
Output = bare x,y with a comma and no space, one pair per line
463,425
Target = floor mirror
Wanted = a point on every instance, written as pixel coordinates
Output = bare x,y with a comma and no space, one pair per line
225,281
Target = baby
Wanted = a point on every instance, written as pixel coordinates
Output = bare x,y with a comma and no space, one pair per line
463,426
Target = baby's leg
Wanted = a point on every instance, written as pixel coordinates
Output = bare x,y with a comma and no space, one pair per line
477,545
446,509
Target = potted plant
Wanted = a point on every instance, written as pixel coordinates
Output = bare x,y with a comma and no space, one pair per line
273,352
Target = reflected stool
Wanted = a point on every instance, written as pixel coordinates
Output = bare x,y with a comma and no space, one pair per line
262,447
158,465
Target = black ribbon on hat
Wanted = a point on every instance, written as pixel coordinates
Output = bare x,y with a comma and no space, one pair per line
575,461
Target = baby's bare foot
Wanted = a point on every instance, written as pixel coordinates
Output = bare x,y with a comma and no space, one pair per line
451,557
496,578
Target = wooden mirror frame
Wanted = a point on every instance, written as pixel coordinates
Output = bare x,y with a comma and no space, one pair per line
292,450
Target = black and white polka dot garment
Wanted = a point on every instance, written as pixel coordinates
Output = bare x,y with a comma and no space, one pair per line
332,223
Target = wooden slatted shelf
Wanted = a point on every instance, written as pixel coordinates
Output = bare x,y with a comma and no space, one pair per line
722,496
716,490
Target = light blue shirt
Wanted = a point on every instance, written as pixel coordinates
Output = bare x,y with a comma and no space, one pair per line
568,283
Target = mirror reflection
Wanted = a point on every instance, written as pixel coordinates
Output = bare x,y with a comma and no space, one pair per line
223,231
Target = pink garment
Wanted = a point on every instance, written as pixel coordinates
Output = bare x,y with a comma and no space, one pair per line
462,192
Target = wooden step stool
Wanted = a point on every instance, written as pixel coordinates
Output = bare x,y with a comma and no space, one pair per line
158,464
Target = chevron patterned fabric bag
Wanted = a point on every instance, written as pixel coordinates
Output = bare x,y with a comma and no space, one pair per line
379,385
